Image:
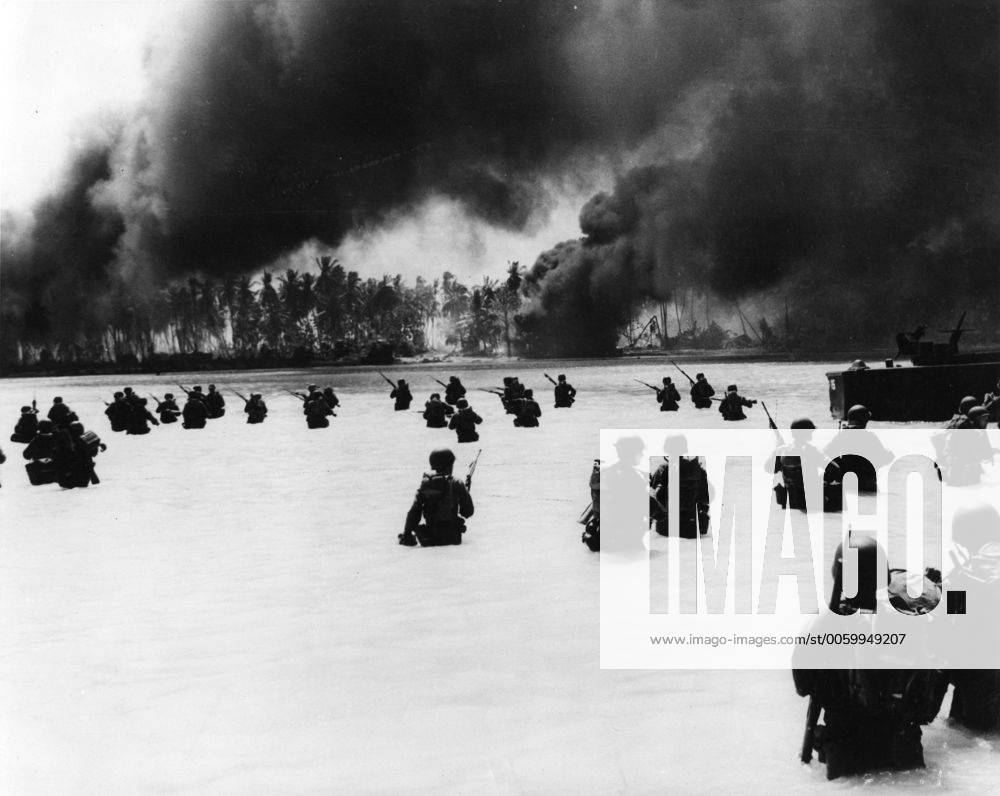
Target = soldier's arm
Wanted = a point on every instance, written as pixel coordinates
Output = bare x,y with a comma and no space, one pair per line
413,515
465,506
477,418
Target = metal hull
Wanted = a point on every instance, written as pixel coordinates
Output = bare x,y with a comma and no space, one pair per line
927,392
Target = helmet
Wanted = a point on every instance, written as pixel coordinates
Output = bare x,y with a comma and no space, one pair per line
699,375
25,409
803,422
868,550
311,388
858,414
119,394
529,393
966,404
57,400
561,377
442,459
731,388
211,387
197,388
435,396
859,364
168,397
975,525
976,411
76,429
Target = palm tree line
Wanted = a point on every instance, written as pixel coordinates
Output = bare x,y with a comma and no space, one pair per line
330,312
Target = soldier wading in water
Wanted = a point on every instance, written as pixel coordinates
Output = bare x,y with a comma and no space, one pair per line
442,501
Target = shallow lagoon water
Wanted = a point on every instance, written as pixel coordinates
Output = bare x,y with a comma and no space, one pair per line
228,611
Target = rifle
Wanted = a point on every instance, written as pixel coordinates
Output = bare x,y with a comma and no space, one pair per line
103,401
441,383
158,401
682,371
391,383
770,420
472,470
647,384
241,397
184,389
491,392
546,375
298,395
812,716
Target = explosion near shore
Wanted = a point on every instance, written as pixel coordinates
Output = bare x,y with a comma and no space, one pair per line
844,153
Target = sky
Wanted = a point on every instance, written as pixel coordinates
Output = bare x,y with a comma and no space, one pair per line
68,65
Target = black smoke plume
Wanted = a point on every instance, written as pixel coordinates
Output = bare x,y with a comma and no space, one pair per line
811,144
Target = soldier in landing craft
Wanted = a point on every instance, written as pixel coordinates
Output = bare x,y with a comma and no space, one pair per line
565,393
667,397
27,425
528,411
961,420
140,418
436,412
401,392
464,422
42,455
442,501
732,405
701,392
453,391
991,402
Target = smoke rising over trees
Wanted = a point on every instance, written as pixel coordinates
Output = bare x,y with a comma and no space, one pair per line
845,153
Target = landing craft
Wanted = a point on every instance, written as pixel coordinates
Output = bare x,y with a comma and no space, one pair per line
929,389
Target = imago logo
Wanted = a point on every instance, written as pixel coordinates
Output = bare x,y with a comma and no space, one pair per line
818,549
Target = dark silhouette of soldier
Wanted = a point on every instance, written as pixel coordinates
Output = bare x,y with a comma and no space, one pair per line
140,418
443,503
731,407
401,392
668,396
168,410
528,411
464,422
701,392
26,427
565,393
436,412
194,413
453,391
255,408
215,403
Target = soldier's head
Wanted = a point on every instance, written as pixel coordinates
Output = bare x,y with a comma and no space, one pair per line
699,376
401,382
675,445
255,396
859,364
975,525
461,403
119,395
666,380
966,404
311,388
453,379
168,397
868,556
507,380
802,429
442,460
211,388
630,450
858,416
57,400
979,416
197,388
731,388
76,429
44,426
143,402
561,377
529,393
128,391
25,410
435,396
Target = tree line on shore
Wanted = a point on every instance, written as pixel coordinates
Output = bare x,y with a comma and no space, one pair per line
330,313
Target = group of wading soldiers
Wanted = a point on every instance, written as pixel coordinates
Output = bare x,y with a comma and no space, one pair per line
58,448
858,720
731,405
